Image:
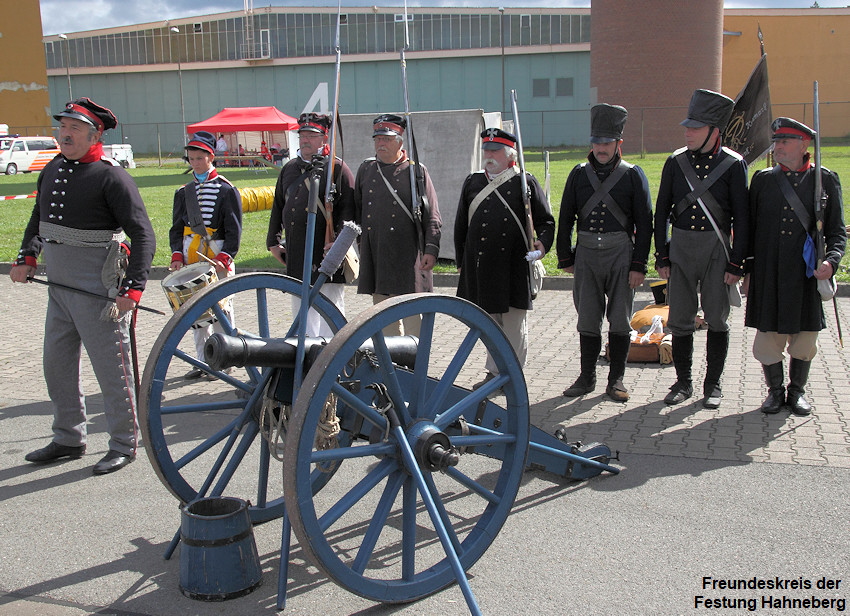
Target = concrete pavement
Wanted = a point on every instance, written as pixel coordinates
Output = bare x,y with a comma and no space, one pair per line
726,493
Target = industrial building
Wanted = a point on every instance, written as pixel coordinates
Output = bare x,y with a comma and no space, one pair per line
648,56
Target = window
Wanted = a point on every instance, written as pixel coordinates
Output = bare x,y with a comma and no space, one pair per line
540,88
564,86
265,44
197,28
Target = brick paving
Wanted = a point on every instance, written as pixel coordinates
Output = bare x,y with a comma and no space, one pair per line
644,425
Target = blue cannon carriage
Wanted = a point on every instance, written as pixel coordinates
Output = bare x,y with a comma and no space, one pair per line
394,475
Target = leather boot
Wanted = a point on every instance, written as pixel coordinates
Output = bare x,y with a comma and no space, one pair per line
618,351
716,348
590,347
774,376
798,372
683,352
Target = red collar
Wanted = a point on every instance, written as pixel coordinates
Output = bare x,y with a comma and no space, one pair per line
95,153
807,164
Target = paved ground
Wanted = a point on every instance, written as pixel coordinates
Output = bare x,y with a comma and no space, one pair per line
727,493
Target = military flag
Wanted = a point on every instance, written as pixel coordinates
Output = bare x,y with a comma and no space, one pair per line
748,131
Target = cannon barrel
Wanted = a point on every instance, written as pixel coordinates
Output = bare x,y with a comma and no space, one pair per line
222,351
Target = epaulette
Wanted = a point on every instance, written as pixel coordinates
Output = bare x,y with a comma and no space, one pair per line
732,153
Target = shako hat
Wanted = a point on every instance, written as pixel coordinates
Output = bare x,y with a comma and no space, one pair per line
314,123
202,140
496,138
90,112
709,108
389,124
607,123
788,128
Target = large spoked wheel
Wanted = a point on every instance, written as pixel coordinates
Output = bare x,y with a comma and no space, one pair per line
412,509
205,437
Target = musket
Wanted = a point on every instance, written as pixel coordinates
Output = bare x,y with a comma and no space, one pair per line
826,288
330,186
419,199
526,195
88,293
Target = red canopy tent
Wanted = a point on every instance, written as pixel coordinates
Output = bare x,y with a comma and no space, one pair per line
241,119
254,128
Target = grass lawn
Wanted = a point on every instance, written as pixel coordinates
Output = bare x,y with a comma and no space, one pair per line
157,186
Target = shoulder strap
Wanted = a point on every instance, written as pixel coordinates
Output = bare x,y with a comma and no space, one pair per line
516,218
488,190
792,198
305,175
602,193
393,192
699,188
193,210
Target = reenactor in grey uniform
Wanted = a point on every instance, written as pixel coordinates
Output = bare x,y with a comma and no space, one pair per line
703,197
783,302
86,207
607,200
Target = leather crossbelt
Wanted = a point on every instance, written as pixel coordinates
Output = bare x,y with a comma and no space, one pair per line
603,193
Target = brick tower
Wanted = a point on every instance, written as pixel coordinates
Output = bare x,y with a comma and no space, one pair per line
650,56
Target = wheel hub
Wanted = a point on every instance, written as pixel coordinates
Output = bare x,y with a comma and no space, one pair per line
432,448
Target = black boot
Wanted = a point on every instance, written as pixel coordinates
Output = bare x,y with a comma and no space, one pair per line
683,352
590,347
774,375
798,372
618,351
716,347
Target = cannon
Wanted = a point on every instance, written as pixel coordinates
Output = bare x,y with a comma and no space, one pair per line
393,473
432,468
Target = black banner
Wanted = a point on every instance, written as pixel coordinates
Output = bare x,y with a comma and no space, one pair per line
748,131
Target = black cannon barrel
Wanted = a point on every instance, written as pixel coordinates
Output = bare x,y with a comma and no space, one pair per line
222,351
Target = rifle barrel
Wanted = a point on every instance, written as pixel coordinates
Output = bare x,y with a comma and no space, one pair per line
526,197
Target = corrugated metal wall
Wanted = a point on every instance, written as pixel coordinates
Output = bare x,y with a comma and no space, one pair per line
148,103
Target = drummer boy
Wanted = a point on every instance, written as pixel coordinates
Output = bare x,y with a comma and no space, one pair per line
207,219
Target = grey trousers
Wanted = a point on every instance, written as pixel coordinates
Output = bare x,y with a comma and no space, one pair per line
602,270
697,269
74,321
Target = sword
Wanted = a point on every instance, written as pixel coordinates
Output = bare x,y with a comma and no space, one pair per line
89,293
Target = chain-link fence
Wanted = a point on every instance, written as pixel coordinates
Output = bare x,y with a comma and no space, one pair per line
649,129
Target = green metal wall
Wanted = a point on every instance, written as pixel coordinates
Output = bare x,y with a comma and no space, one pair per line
148,103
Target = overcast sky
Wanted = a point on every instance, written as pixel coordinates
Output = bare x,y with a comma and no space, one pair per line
59,16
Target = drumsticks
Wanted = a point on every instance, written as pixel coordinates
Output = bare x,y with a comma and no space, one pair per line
206,258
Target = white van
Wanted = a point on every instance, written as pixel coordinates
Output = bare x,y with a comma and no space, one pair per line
26,154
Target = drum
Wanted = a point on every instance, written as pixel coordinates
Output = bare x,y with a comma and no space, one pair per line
182,284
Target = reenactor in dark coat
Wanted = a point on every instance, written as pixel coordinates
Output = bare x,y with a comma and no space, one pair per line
392,261
703,196
287,234
783,302
491,241
607,200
